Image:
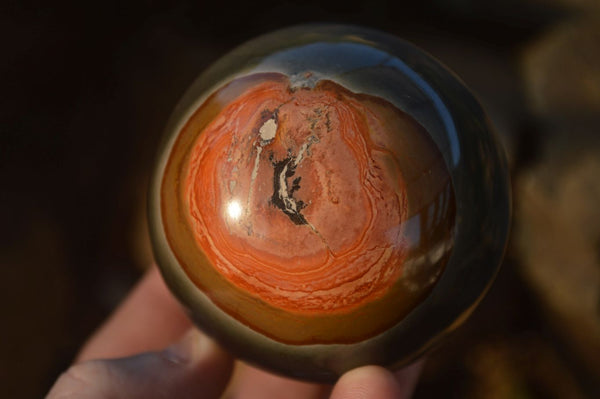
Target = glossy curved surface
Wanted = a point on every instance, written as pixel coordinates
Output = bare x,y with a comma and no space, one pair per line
328,197
314,205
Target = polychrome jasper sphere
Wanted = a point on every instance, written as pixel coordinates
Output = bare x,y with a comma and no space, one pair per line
328,197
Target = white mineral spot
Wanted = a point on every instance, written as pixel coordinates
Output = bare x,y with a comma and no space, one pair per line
268,130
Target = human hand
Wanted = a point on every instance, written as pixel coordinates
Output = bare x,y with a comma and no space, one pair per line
126,358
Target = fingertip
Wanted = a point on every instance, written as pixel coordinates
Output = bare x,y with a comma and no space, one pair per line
212,360
210,367
368,382
409,376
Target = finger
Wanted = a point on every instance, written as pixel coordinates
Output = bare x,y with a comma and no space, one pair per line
374,382
194,367
252,383
409,376
148,319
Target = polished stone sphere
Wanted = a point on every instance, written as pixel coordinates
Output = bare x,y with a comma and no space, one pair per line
328,197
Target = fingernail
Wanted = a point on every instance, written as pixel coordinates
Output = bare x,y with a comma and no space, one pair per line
184,350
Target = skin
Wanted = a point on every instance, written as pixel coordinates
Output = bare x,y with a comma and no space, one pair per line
149,349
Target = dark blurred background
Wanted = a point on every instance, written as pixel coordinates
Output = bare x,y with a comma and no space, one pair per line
86,89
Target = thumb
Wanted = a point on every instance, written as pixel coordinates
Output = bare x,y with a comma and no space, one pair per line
192,367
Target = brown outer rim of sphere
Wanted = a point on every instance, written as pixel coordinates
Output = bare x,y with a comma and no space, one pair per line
439,314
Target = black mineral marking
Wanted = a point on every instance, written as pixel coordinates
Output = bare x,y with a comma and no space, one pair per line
283,197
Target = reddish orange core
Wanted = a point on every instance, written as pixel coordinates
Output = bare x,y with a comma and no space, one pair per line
294,197
309,214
